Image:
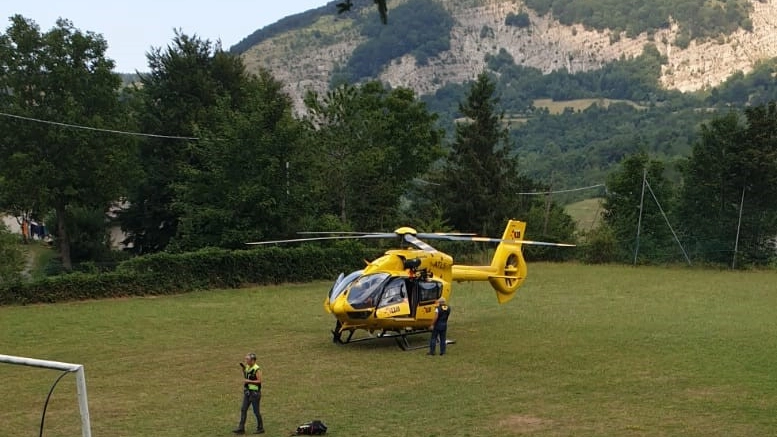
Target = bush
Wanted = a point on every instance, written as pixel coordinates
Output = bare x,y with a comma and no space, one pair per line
166,273
520,20
11,256
599,246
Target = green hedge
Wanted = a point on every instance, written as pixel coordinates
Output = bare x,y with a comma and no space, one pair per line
166,273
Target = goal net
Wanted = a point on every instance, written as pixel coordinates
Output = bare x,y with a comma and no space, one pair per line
78,369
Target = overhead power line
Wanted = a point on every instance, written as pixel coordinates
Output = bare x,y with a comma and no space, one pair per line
111,131
423,182
535,193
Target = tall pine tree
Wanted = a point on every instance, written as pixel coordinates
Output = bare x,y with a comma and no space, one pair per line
480,182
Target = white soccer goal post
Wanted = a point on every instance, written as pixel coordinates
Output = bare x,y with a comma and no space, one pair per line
78,369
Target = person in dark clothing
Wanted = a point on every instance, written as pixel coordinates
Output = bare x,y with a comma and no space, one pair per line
252,394
439,326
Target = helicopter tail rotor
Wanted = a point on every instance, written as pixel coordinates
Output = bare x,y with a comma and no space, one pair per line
508,268
508,262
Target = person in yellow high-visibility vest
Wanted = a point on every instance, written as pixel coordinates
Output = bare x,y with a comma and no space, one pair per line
252,394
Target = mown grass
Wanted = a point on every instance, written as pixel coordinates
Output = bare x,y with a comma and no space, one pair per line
581,351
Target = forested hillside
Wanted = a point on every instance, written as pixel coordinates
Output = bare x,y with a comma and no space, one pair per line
673,65
580,146
422,32
696,18
225,157
704,42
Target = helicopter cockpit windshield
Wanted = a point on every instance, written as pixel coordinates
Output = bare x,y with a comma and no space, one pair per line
342,283
365,291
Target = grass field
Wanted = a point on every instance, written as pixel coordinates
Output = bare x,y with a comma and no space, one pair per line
581,351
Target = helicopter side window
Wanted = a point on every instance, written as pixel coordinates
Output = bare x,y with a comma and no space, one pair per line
365,290
394,292
429,291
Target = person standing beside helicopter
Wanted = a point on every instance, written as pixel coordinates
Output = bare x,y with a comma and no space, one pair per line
252,394
439,326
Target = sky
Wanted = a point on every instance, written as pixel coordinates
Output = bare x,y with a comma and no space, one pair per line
132,27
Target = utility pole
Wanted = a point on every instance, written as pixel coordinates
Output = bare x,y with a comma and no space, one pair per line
739,225
547,205
641,204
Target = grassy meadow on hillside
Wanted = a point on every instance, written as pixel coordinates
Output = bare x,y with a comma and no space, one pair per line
558,106
581,351
587,213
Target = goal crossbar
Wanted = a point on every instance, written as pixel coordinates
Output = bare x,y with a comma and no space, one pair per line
78,369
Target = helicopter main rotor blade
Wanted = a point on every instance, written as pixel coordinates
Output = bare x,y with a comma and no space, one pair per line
442,234
410,238
545,243
491,240
418,243
454,237
333,233
422,234
337,237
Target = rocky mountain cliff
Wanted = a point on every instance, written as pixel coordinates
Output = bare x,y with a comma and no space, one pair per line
304,58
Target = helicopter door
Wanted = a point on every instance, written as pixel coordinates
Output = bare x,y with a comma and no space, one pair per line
428,293
394,302
412,291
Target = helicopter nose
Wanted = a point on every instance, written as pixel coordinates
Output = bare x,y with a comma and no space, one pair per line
338,307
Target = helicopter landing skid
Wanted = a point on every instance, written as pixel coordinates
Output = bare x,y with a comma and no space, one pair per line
403,341
402,338
337,336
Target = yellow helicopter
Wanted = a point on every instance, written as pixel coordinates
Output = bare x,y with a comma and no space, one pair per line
395,294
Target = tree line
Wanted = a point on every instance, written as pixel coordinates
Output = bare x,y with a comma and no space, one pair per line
421,28
723,212
200,153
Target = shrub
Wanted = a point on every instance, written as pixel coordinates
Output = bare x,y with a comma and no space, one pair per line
166,273
599,246
520,20
11,256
